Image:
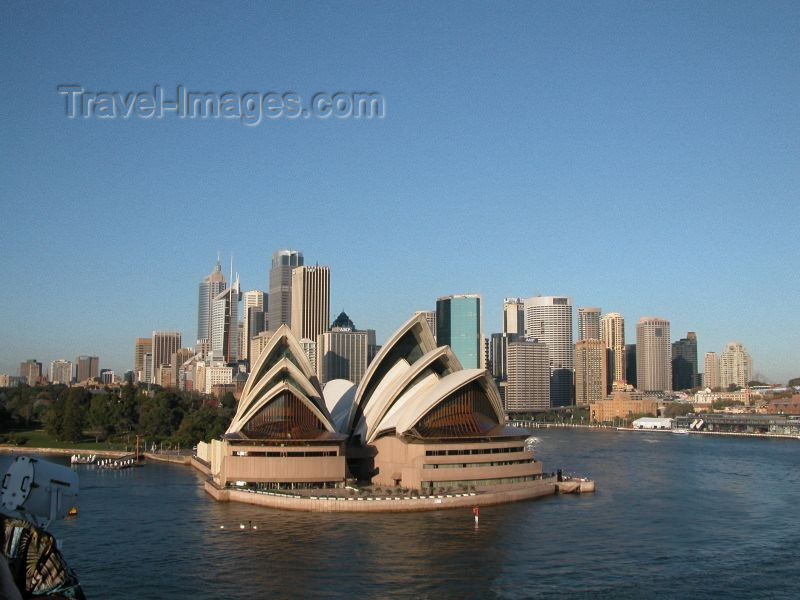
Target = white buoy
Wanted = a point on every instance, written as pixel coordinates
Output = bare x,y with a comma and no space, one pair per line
255,526
241,525
222,526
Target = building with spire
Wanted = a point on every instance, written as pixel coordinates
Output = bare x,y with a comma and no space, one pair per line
225,325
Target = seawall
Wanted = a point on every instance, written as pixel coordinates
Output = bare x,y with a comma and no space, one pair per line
384,504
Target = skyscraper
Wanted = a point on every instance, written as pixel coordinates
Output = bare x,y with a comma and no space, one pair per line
591,371
225,329
711,370
342,352
588,323
735,365
87,367
653,355
209,289
140,348
528,368
549,320
612,332
459,324
630,364
684,362
164,345
513,316
256,300
311,299
31,371
280,287
61,371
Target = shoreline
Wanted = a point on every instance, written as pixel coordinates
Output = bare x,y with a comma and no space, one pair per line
778,436
6,449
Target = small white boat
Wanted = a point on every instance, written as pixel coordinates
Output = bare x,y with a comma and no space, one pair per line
680,431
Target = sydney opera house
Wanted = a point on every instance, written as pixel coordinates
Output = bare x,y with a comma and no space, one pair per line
417,421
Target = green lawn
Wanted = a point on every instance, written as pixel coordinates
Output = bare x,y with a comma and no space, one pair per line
39,438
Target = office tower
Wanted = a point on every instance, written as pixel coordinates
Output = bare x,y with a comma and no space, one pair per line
140,348
499,342
225,328
164,344
591,371
430,317
280,287
256,322
459,324
254,304
684,362
30,371
711,370
210,288
311,299
87,367
528,368
61,371
342,352
735,366
513,316
372,345
630,364
549,320
612,332
653,355
310,350
147,368
588,323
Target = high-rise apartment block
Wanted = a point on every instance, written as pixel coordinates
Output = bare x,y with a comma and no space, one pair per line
735,365
61,371
311,299
280,287
209,289
684,362
588,323
591,371
528,369
653,355
87,367
549,320
612,332
711,370
459,324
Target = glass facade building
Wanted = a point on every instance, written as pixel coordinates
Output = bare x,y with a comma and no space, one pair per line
459,325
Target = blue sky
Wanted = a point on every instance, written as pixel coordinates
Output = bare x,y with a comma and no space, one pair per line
643,157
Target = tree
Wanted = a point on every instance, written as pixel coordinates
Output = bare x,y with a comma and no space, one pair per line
678,409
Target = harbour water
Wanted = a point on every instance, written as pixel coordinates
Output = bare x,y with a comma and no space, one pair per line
673,516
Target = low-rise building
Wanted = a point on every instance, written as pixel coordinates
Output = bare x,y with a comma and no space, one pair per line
622,405
652,423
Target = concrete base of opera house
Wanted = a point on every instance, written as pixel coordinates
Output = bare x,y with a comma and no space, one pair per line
322,503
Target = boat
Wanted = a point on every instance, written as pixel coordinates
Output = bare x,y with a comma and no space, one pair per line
680,431
77,459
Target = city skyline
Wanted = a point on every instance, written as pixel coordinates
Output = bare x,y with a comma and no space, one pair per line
673,126
501,309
